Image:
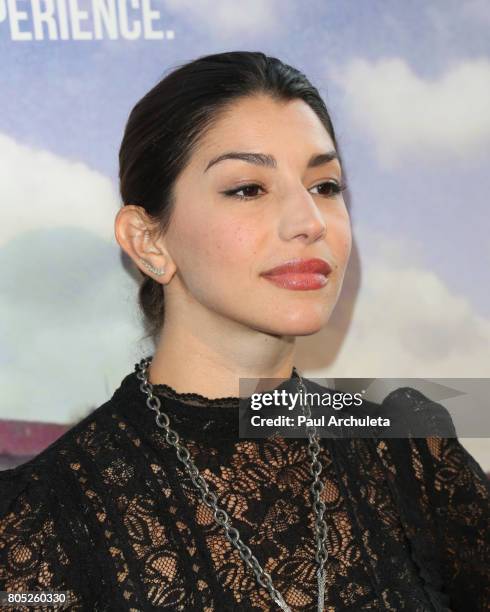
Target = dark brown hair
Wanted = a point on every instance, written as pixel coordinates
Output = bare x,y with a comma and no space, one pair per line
165,126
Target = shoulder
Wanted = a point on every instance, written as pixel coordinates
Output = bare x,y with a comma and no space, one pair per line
53,479
421,439
38,467
413,414
45,473
403,413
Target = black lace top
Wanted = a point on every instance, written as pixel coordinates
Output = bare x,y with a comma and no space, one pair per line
108,514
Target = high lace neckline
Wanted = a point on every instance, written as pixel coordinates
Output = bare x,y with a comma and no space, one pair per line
198,400
193,415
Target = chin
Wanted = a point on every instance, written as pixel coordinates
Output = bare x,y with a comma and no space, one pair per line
305,328
300,323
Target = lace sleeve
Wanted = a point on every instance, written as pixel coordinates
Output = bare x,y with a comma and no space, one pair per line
40,547
458,492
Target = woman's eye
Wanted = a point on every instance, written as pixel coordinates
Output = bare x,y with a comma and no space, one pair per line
249,190
330,188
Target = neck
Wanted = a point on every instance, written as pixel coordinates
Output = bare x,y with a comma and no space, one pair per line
211,359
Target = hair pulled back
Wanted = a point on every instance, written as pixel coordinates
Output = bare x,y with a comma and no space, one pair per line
165,126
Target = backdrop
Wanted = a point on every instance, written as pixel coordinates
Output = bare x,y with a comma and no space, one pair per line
408,88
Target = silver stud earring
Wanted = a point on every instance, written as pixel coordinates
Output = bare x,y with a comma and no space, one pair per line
158,271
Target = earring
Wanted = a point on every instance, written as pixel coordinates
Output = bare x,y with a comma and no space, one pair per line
158,271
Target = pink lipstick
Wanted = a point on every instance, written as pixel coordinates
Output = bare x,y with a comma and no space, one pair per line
300,274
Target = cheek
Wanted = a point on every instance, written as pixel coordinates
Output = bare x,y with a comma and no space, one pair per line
205,246
230,246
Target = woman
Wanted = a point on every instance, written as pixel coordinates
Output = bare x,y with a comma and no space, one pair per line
229,168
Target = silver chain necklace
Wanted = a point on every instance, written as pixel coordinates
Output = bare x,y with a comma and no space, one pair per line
220,515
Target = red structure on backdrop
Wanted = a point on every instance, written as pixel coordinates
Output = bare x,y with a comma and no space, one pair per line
22,440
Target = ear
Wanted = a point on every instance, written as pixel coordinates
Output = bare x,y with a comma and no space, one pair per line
136,234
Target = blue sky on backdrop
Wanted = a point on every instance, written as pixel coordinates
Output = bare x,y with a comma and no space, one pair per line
408,88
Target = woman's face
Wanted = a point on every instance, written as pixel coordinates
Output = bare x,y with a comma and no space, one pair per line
221,243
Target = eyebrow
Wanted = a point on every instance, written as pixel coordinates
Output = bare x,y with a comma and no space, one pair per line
263,159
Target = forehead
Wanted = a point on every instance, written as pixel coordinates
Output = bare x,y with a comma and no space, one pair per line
260,123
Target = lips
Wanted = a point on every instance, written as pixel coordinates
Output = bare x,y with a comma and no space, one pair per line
300,274
306,266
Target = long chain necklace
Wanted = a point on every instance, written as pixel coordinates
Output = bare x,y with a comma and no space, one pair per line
221,516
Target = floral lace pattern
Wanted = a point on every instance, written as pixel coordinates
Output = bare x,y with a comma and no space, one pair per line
109,514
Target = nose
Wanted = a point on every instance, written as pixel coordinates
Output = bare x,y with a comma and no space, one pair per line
301,217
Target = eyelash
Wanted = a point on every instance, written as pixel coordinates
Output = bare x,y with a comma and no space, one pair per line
337,188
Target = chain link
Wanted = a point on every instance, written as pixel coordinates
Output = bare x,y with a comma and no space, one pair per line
221,516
